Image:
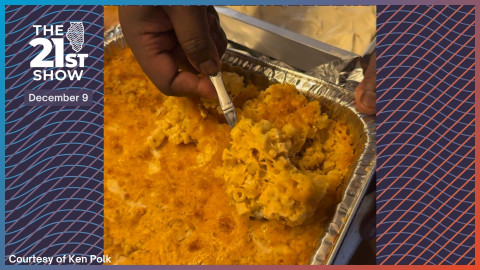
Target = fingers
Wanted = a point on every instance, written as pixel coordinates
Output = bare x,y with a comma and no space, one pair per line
193,33
218,35
150,34
365,100
365,93
163,71
188,84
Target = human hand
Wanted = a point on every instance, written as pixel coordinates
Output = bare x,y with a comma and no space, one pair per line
365,93
166,38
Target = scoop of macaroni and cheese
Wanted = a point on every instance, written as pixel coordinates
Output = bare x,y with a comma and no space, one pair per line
283,156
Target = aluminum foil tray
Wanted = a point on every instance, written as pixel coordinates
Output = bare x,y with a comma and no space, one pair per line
337,102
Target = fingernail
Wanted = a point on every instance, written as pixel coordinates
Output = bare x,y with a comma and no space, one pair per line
208,67
369,99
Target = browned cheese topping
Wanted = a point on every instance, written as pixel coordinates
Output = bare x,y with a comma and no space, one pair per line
182,187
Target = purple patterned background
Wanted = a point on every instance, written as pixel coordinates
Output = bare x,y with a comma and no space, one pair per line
53,155
425,135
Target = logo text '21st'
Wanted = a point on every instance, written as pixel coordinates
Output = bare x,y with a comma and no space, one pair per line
55,64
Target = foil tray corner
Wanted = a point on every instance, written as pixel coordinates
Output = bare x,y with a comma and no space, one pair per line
338,103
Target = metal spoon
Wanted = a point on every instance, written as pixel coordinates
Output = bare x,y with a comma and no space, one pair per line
225,102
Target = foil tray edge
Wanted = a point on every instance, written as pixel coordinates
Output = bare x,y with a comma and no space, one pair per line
340,102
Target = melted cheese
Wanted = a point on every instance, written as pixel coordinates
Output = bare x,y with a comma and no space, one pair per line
172,167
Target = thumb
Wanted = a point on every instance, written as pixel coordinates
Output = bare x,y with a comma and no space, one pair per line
365,93
193,33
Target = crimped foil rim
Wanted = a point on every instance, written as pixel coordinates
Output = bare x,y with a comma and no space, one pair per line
343,100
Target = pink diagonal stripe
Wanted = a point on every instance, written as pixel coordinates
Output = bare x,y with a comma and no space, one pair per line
423,84
411,151
65,160
25,32
397,234
92,246
390,17
79,230
436,155
439,222
414,121
470,222
420,59
42,112
461,257
465,239
419,171
65,216
419,46
57,196
426,220
406,31
51,173
418,74
413,205
28,84
26,44
406,58
13,15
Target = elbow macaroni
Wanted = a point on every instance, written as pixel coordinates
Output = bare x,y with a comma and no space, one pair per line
278,164
180,185
277,168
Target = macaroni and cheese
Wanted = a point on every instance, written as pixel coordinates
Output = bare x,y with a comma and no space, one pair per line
182,187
